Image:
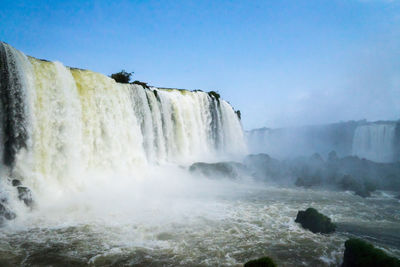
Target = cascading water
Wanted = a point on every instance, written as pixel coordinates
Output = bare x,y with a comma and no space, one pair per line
375,142
59,124
104,160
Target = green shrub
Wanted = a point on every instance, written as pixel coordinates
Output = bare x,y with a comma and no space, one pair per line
122,76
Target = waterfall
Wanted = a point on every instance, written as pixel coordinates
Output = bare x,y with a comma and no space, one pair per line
375,142
60,123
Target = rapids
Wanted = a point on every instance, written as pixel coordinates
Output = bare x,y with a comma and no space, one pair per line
193,222
107,167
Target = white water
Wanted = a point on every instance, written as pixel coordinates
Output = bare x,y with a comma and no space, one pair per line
375,142
83,127
103,162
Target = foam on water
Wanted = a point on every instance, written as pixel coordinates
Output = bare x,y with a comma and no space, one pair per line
197,221
107,166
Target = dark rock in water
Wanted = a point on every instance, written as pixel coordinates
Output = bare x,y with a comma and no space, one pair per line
370,186
224,169
350,183
261,262
6,213
347,173
25,195
360,187
54,255
362,193
16,182
314,221
360,253
308,181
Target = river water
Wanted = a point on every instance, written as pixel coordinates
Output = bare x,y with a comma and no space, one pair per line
190,221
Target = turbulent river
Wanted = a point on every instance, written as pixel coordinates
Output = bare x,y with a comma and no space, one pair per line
190,221
95,172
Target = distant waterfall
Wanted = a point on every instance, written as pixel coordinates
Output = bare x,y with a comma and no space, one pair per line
59,122
375,142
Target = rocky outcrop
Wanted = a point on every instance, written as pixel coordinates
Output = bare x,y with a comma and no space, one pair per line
349,173
358,186
261,262
219,169
314,221
359,253
5,213
25,195
308,182
16,182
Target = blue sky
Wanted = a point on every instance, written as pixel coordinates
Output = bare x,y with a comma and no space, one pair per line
281,63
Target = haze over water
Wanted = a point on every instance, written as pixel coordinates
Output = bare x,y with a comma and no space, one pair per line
100,173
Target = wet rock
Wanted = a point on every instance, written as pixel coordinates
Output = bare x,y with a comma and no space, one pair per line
6,213
143,84
360,253
16,182
219,169
214,94
314,221
238,114
360,187
362,193
350,183
308,181
261,262
54,255
25,195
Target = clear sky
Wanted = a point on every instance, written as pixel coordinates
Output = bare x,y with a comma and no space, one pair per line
280,62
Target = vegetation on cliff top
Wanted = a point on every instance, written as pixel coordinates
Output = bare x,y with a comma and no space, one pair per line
125,77
122,76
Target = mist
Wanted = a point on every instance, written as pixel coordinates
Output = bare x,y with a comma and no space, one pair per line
133,152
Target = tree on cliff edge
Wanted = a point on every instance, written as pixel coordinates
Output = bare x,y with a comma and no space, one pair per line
122,76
